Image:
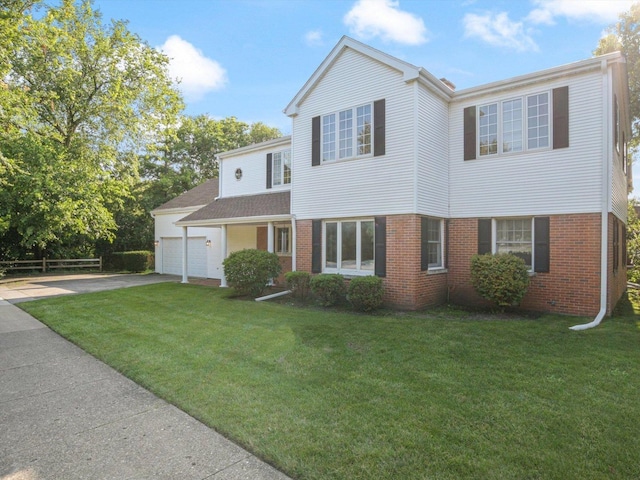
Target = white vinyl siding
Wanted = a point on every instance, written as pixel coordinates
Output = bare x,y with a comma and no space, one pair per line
379,185
432,174
254,172
539,182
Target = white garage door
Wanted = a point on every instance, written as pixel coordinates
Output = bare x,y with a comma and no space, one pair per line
172,256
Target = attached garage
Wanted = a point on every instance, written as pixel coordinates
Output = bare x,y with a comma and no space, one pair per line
171,248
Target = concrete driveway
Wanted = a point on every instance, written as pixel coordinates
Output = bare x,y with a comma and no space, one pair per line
16,290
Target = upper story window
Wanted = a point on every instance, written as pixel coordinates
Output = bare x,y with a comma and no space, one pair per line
501,129
347,134
519,124
282,167
351,133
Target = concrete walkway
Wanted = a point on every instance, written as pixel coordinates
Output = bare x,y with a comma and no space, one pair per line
66,415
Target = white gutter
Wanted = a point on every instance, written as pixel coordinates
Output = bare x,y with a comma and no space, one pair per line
604,231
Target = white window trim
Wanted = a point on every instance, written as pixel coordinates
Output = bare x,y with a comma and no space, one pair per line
279,175
525,125
354,134
494,237
342,271
277,229
440,267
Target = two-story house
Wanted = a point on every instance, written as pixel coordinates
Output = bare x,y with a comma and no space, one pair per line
390,171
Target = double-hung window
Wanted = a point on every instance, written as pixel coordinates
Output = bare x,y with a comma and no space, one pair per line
347,134
432,242
282,167
349,246
283,240
501,125
515,236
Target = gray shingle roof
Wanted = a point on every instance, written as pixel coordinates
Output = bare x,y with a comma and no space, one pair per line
263,205
203,194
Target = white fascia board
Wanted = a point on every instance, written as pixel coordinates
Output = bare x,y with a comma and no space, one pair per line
276,142
234,221
171,211
568,70
410,72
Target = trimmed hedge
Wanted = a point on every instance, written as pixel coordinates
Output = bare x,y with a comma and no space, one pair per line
249,271
365,293
502,278
329,288
299,283
136,261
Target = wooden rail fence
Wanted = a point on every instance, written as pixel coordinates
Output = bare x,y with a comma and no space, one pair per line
46,264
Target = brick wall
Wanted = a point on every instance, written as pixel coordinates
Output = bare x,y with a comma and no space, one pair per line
572,286
405,285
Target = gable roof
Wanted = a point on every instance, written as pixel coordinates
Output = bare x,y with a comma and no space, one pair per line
242,209
203,194
410,72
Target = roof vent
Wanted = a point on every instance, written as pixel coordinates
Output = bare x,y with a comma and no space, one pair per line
448,83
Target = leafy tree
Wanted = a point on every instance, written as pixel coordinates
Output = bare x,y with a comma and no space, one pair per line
625,36
633,241
80,97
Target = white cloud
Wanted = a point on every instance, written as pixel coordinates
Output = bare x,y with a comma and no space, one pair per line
197,74
384,19
599,11
499,30
313,38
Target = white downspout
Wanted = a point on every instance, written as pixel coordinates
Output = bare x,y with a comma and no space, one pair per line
185,255
604,231
294,242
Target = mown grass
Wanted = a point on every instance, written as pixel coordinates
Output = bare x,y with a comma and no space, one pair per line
431,395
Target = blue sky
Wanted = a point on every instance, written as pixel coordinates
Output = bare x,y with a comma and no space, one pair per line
248,58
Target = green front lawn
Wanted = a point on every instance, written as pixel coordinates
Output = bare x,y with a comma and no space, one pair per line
439,394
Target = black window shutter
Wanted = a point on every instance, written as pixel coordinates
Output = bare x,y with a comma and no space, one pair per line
541,247
484,236
379,127
380,244
561,117
269,169
315,141
470,133
424,245
316,246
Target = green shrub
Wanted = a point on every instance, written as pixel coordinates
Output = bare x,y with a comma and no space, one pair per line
328,288
136,261
502,279
249,271
299,283
365,293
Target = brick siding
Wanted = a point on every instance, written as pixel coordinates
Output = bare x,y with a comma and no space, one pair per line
572,286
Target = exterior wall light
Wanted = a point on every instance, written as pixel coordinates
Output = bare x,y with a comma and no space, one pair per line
208,243
156,243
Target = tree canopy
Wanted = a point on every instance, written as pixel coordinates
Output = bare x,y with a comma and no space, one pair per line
80,100
625,36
